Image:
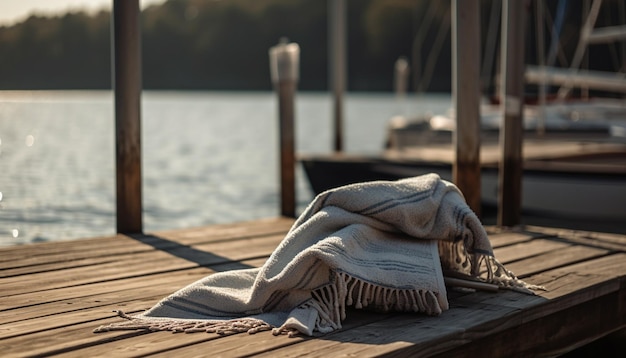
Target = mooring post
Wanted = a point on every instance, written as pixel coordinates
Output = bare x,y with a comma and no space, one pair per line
337,40
512,56
284,69
466,94
126,78
401,73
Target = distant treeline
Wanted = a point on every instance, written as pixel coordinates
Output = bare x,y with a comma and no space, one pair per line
223,45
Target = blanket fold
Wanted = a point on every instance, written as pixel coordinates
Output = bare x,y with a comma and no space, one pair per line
376,245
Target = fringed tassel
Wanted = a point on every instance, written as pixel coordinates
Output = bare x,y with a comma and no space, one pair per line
223,328
345,291
455,258
497,274
331,301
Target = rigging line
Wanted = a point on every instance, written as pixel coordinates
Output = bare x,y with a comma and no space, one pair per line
622,20
613,50
582,45
584,90
560,54
491,43
418,42
541,127
556,32
442,32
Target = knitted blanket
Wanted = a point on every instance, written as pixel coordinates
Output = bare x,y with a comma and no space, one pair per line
376,245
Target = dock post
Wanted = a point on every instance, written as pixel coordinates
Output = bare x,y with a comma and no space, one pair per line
284,69
337,65
510,171
126,78
402,71
466,94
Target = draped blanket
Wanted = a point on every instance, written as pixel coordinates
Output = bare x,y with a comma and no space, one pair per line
376,245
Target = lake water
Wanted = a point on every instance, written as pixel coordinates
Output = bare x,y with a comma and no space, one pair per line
208,157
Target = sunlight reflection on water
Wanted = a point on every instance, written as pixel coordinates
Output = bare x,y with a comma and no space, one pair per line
208,157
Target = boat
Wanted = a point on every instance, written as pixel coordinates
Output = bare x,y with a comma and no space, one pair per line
574,152
583,120
561,179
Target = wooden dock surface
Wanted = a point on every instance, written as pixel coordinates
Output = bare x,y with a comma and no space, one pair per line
54,294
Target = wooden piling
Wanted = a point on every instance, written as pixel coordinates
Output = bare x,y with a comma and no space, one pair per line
126,58
510,177
337,65
466,94
284,69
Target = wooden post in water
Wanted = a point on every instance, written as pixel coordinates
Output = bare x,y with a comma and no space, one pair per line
126,67
511,161
337,65
466,94
284,69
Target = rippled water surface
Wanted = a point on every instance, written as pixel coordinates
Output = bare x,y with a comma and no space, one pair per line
208,157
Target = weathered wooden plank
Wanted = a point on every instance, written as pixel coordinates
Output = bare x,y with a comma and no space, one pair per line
47,257
578,274
548,336
42,281
505,238
176,259
594,239
527,249
552,259
22,330
202,339
401,330
581,276
85,250
505,298
32,266
258,227
233,346
28,296
150,345
15,256
180,345
94,292
475,319
47,343
242,345
455,317
30,320
260,346
304,346
87,318
259,246
43,304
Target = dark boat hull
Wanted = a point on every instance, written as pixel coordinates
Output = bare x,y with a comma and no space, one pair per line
555,193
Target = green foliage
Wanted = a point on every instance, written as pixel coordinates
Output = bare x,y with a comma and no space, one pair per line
71,51
193,44
207,44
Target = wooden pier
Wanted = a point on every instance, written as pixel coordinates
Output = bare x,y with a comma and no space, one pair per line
54,294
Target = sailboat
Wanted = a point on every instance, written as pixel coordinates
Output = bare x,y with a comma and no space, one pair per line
574,150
